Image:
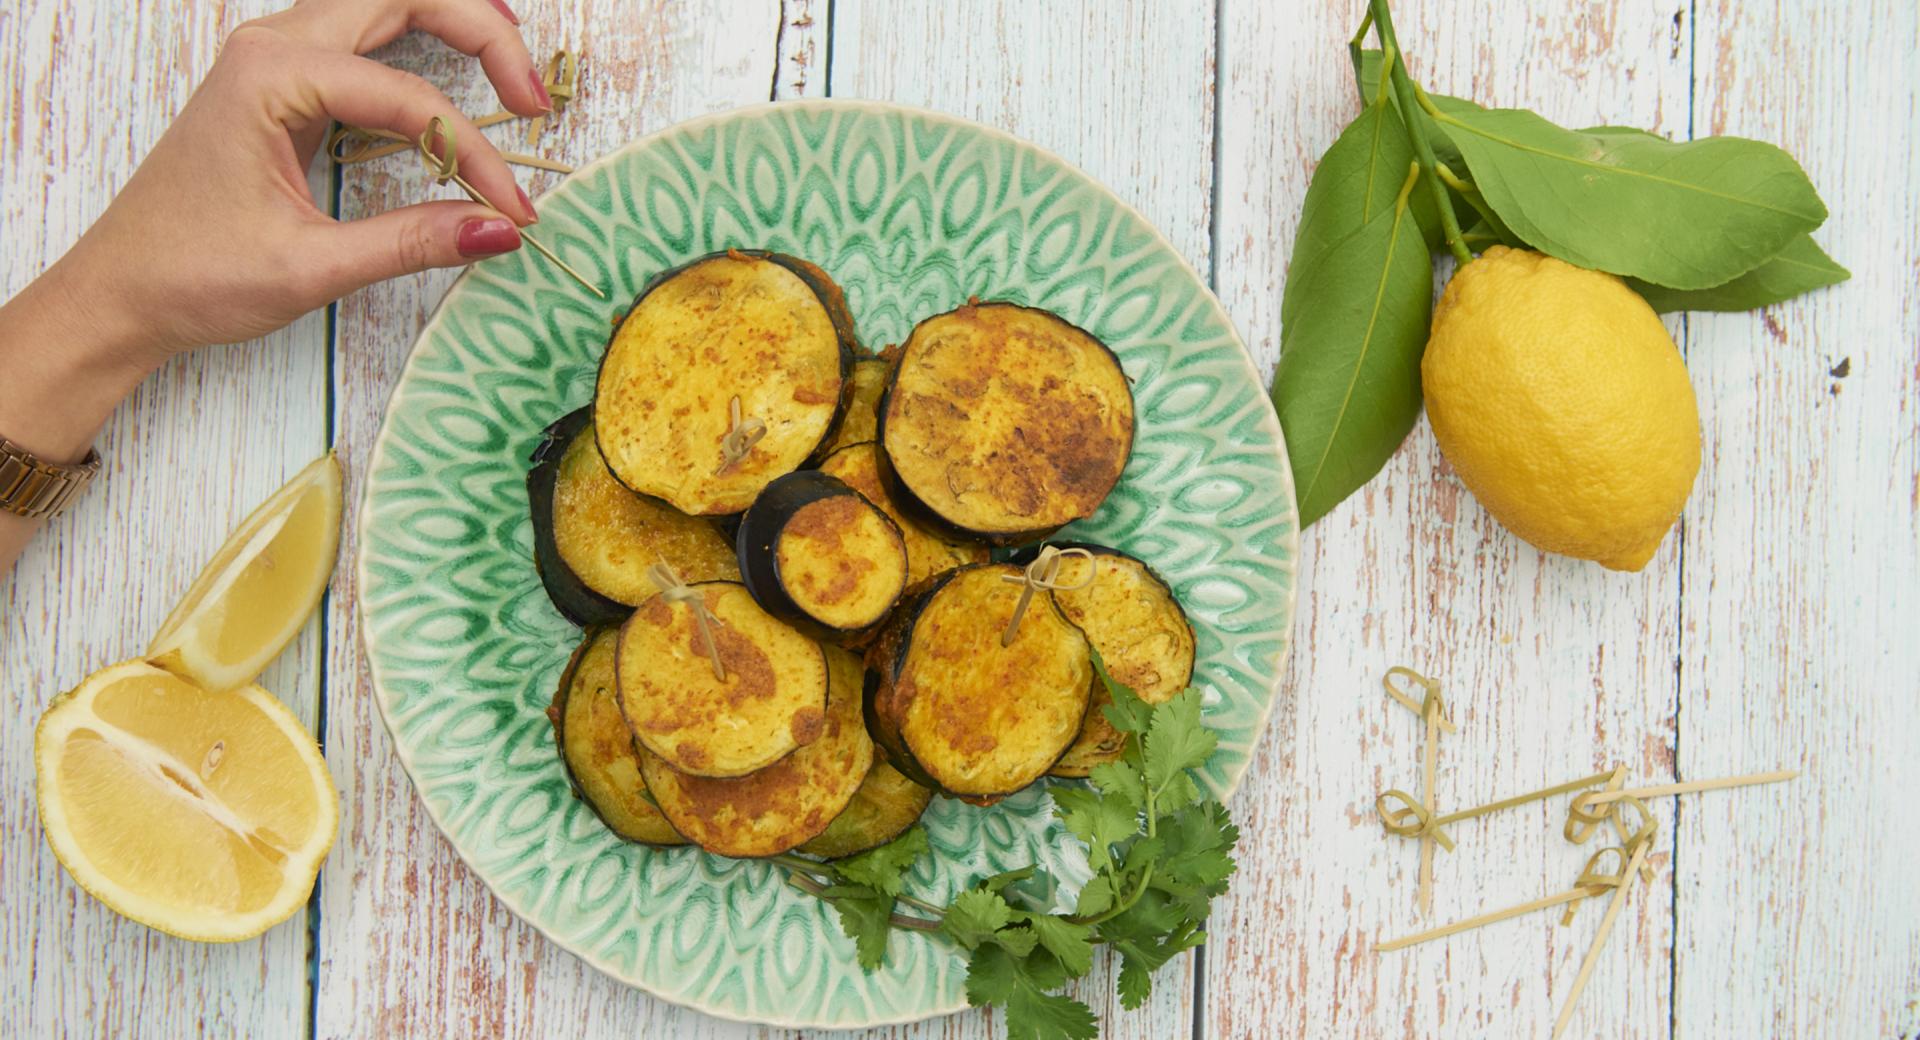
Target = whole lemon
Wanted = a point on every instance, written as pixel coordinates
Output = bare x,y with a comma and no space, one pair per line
1560,400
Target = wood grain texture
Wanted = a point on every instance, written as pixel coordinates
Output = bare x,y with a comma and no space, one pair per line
1799,905
1553,667
85,91
411,942
1085,80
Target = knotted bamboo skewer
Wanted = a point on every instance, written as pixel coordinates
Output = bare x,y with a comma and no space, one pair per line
1043,573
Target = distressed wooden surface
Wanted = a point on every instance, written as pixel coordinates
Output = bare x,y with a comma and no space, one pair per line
1776,629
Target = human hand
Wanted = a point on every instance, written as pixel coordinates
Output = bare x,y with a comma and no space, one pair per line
216,239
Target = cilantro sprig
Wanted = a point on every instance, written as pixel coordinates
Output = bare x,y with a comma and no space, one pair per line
1160,852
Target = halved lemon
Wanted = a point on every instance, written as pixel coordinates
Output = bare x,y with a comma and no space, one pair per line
258,590
204,815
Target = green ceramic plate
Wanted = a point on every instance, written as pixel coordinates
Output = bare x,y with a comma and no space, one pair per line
911,212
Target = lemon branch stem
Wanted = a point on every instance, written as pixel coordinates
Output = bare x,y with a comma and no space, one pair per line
1416,129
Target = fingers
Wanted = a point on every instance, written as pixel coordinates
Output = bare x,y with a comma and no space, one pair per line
406,241
485,29
366,93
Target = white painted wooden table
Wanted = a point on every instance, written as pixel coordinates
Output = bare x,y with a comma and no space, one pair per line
1779,627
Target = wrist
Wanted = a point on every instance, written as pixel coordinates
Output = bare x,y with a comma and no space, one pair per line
67,363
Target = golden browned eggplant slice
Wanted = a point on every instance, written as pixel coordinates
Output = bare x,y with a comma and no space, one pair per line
882,810
862,421
1005,422
929,552
772,700
956,710
785,804
814,551
764,330
596,747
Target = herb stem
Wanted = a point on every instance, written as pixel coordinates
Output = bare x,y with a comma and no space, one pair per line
1410,110
804,865
922,905
814,888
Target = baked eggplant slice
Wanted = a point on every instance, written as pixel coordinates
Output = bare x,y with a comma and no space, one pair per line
1132,617
767,330
930,551
814,551
593,539
886,804
772,700
596,747
788,802
1006,422
862,421
957,711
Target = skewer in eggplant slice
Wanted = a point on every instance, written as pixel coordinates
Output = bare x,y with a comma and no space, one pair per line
593,539
1006,422
815,552
929,551
596,747
769,698
725,374
882,810
1132,617
789,802
959,708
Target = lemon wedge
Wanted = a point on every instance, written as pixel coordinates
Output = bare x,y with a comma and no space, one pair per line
257,591
204,815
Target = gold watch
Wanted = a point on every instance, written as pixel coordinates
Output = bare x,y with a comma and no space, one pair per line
34,488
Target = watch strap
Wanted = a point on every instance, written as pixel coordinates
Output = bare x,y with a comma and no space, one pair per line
34,488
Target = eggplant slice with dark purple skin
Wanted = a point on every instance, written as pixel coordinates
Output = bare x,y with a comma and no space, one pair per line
930,551
771,700
593,539
1132,617
886,804
596,747
789,802
954,709
764,329
1005,422
815,552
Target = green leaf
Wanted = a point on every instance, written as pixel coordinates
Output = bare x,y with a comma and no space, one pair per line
1071,943
1095,896
1801,267
1686,215
1177,740
1122,781
865,915
1128,713
1348,385
1100,822
1358,179
885,868
976,914
996,977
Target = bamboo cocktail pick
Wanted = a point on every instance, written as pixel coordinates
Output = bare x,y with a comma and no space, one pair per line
741,436
356,144
444,164
1432,713
1395,820
1662,790
1592,882
1043,573
563,71
673,590
1606,926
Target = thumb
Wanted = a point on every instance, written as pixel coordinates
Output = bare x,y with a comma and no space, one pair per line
412,239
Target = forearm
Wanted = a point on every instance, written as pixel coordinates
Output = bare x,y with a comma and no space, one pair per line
64,367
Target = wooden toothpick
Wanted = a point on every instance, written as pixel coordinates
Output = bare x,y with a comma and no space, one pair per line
1691,786
742,435
444,164
1606,926
1043,573
563,70
673,590
1396,823
1431,710
1490,917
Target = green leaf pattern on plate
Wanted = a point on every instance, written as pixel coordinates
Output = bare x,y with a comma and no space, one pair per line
911,212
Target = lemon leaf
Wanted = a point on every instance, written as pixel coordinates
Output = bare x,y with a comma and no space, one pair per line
1801,267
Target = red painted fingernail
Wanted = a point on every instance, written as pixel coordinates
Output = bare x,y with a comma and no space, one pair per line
501,6
526,205
540,90
487,236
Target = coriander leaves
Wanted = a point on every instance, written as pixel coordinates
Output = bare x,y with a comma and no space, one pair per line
1160,852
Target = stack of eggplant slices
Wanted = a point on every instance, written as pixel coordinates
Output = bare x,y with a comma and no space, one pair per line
782,550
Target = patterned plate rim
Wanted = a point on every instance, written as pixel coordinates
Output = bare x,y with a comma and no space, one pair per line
404,752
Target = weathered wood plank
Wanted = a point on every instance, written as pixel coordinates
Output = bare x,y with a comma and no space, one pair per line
412,943
85,91
1124,91
1798,910
1553,667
